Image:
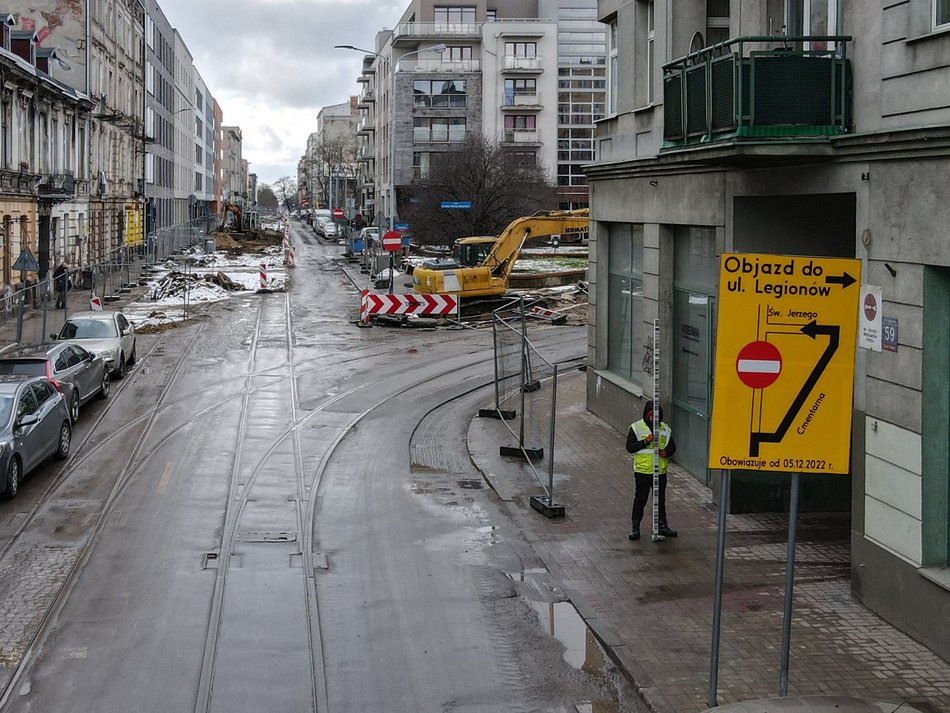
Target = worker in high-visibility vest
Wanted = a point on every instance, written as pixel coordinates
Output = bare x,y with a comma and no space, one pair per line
640,443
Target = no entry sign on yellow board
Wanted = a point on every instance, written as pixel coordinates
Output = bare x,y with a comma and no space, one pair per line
784,370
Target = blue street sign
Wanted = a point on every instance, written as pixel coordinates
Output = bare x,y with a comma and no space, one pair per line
401,226
455,204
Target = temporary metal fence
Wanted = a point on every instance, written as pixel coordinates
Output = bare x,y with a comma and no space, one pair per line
110,277
528,411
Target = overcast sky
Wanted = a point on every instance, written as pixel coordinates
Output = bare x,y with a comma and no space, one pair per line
271,65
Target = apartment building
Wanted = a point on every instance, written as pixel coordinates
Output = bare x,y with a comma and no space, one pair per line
234,183
831,138
44,171
99,121
184,132
117,64
331,157
527,74
203,142
159,117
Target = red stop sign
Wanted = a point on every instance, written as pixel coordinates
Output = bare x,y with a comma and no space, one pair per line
392,240
759,364
337,213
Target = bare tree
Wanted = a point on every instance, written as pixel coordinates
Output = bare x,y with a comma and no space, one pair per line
333,157
285,188
500,184
266,198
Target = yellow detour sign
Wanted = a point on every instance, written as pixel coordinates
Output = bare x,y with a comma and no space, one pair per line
784,363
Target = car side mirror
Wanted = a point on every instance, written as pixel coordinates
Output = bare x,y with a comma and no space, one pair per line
53,335
27,420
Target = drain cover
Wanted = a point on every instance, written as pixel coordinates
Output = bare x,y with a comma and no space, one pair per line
470,484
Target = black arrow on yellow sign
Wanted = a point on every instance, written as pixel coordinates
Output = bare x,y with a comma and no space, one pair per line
844,279
812,329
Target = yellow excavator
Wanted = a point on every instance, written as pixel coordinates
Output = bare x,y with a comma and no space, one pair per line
480,266
237,224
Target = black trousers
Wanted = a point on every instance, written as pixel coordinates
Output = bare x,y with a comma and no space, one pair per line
644,482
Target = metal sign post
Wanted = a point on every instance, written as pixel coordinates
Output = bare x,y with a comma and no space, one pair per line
789,584
656,537
724,477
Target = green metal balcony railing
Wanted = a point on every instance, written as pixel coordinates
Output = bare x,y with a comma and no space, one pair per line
735,90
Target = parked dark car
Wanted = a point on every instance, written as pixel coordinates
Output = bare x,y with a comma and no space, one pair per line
79,374
34,425
108,334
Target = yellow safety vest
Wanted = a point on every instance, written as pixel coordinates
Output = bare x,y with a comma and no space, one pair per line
643,459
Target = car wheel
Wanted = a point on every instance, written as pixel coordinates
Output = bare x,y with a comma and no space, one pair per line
74,407
65,438
121,370
105,386
132,355
13,478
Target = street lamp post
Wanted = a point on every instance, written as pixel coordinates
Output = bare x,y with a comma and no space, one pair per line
392,123
392,134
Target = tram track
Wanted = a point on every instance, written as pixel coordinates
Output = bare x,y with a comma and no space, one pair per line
238,492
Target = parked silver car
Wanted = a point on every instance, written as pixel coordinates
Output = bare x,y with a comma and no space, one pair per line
107,334
34,425
78,374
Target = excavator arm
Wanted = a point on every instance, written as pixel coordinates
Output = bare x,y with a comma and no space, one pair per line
490,277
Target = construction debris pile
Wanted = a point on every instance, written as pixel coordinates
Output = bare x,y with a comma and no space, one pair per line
177,284
569,301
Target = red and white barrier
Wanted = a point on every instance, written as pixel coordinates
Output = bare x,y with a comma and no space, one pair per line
407,304
291,257
264,288
546,314
95,304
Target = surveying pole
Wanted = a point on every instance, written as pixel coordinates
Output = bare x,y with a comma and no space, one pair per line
656,537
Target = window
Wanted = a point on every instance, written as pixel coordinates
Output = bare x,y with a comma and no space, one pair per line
438,130
521,49
43,390
199,181
439,94
519,88
26,404
198,153
455,54
454,14
941,13
651,49
420,164
625,300
612,69
717,22
490,15
199,127
520,121
199,100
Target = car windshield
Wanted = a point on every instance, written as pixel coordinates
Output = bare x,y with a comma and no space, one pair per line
6,408
88,329
28,367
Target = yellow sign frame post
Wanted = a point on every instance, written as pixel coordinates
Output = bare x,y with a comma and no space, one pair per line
783,386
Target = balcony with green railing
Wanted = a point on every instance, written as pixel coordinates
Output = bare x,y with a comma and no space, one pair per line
758,89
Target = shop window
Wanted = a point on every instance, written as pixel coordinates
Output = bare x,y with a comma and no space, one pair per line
625,300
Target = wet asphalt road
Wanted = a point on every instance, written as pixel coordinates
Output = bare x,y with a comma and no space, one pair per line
276,511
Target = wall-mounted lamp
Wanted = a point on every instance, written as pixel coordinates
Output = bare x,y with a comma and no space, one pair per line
890,269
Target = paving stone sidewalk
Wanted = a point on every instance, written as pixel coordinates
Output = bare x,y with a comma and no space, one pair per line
651,603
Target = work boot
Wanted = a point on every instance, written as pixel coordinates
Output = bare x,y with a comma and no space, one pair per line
634,534
666,531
